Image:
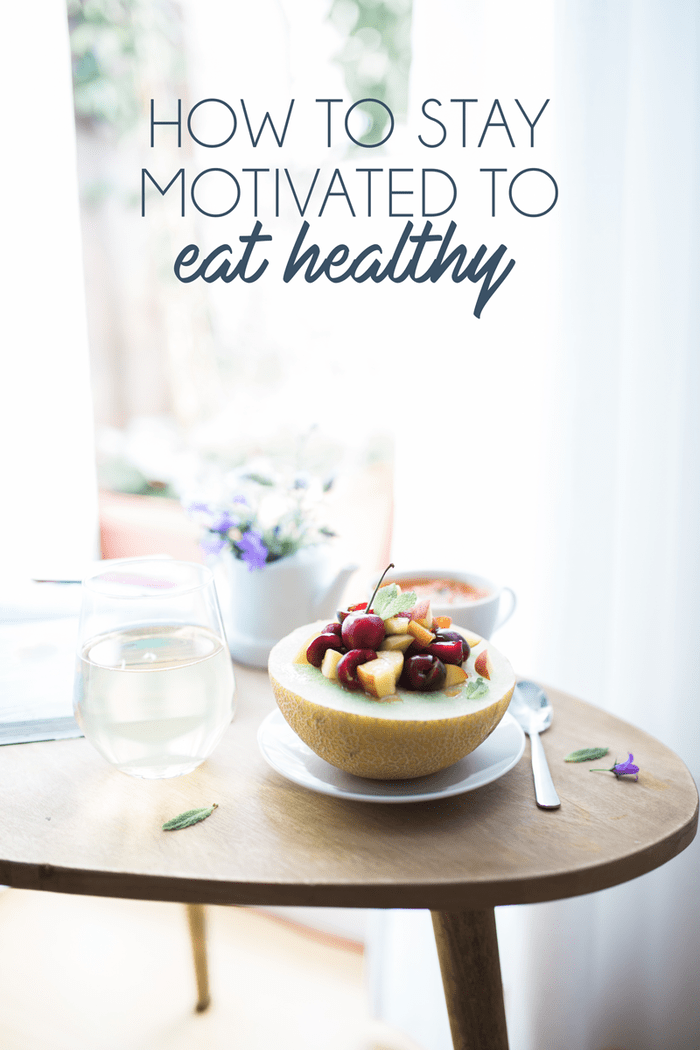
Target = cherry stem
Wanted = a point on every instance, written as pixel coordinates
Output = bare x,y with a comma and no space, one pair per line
374,595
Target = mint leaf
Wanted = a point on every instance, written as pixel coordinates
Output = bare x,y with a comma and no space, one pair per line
587,754
476,688
390,600
189,817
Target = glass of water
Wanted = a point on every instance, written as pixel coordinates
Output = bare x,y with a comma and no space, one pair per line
154,686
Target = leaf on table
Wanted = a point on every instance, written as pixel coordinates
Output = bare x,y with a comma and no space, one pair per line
587,754
189,817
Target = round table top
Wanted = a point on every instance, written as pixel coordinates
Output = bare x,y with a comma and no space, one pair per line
73,824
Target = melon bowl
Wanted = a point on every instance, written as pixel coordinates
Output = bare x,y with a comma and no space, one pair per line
412,736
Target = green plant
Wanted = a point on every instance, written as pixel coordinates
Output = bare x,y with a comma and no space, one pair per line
376,55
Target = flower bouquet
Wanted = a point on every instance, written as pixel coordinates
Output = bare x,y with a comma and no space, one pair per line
276,565
266,517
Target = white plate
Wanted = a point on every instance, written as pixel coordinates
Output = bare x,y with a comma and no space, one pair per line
290,756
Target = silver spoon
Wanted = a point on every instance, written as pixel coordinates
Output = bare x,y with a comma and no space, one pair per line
531,708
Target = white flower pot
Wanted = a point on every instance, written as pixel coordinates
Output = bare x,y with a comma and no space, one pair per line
266,604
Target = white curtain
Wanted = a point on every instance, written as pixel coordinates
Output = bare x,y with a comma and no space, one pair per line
610,605
48,491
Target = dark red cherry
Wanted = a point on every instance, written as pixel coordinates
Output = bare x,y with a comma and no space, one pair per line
346,668
423,673
449,650
362,631
316,649
454,635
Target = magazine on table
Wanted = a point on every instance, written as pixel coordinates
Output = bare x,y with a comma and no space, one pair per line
37,664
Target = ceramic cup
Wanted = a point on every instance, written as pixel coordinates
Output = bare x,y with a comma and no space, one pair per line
483,615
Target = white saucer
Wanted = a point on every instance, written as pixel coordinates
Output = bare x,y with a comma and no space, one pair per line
286,753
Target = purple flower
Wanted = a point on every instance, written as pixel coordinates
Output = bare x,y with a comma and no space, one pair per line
201,513
624,769
212,543
223,522
253,550
621,769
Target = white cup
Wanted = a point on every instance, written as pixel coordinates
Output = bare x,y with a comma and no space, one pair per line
482,615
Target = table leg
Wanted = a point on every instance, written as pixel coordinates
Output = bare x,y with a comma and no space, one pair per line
471,975
196,918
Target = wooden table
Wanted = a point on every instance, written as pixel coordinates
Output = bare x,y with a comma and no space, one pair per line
72,824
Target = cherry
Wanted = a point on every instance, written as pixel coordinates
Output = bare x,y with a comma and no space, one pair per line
449,650
342,614
423,673
442,633
331,628
316,649
363,631
347,667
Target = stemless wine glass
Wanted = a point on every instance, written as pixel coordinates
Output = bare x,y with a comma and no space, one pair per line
154,685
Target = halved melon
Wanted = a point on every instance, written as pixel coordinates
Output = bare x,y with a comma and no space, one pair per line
409,735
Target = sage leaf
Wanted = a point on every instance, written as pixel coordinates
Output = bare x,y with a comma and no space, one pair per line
476,688
189,817
587,754
390,600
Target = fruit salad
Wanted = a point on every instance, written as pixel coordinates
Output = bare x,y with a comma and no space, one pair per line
394,642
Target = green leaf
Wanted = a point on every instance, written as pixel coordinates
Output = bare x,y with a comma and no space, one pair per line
390,600
587,754
189,817
476,688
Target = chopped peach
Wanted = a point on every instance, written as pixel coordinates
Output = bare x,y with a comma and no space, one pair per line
396,625
455,675
393,657
472,639
396,642
422,613
482,664
378,677
421,634
442,621
330,663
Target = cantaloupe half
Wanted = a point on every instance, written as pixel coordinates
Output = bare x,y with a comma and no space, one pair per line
395,739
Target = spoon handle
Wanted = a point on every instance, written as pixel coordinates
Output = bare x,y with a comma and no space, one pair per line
545,792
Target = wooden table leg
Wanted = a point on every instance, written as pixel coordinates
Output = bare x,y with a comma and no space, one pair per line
471,975
197,920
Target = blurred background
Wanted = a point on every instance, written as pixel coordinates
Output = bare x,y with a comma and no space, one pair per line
551,445
408,401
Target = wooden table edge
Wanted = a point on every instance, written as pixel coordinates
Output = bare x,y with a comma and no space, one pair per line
436,896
